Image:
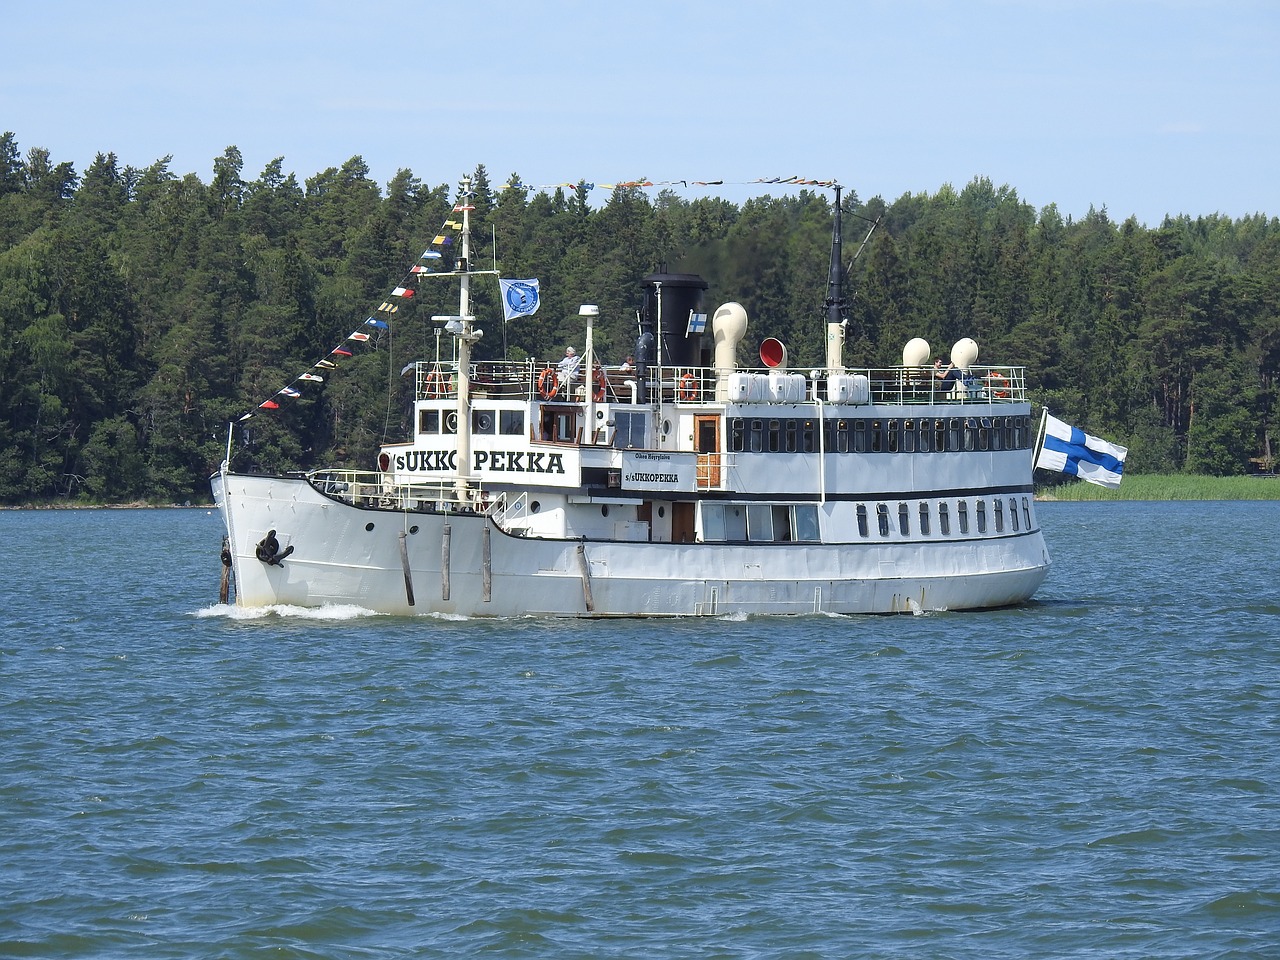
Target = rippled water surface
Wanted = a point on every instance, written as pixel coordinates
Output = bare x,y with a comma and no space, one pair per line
1092,775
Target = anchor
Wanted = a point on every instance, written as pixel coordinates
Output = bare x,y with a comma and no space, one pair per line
268,550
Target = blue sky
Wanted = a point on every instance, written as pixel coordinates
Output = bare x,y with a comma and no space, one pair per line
1144,107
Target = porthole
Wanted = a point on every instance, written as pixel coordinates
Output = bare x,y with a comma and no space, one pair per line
535,506
368,526
414,528
604,510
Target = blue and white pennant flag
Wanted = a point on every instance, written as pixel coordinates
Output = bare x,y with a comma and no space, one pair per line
1070,450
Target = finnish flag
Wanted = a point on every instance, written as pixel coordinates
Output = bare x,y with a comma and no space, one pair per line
1070,450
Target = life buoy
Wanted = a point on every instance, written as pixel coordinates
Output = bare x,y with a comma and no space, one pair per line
997,385
688,387
598,394
434,385
547,383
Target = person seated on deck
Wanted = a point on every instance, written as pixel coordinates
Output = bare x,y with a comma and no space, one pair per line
628,364
568,368
951,377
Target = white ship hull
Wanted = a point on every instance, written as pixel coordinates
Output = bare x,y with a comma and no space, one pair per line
682,485
343,554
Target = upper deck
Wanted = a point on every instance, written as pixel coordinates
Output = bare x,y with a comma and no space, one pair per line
993,385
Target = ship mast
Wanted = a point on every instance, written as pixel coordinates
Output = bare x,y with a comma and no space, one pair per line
835,303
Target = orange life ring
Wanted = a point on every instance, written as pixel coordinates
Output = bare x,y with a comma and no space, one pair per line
688,387
997,385
434,385
548,383
598,394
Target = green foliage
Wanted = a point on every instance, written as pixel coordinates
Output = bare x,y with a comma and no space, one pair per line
141,311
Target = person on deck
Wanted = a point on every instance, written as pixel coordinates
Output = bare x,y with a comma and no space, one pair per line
568,367
949,374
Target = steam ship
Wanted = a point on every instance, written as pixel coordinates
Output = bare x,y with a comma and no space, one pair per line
688,485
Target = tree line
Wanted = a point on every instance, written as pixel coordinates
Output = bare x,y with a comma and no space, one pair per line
142,311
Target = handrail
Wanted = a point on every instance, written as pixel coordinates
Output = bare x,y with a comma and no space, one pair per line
518,380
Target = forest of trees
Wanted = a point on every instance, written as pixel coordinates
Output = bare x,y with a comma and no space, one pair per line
142,311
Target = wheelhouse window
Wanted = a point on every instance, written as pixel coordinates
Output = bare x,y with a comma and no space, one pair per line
428,421
904,520
980,508
629,430
962,515
511,423
944,519
924,518
862,521
997,507
882,517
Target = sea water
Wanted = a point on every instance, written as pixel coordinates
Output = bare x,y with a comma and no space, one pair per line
1093,774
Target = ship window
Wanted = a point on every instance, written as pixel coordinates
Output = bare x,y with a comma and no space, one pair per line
757,436
1013,513
482,421
904,520
737,434
997,506
984,434
712,521
955,434
735,523
775,436
511,422
877,436
629,430
428,421
805,525
806,436
970,428
781,523
882,516
862,520
842,436
1026,512
962,514
893,430
997,434
924,519
944,519
980,508
791,440
759,521
1020,433
860,436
